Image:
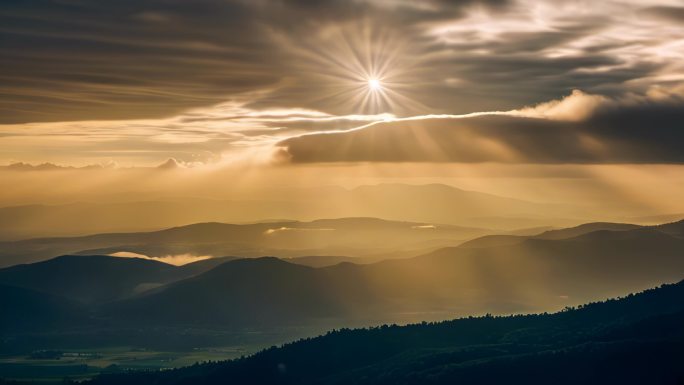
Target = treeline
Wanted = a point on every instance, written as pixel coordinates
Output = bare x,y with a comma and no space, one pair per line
632,340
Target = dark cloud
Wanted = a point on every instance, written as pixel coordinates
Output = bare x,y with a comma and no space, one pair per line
644,131
125,59
667,13
170,164
122,59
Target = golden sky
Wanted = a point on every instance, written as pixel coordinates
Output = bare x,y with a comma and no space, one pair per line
584,99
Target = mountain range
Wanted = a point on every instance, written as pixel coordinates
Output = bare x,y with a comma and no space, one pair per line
539,273
334,237
431,203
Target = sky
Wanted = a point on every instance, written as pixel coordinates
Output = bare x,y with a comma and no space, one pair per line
460,92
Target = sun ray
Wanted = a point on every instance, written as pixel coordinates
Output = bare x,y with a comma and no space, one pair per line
359,69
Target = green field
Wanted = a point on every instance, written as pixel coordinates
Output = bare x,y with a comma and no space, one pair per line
81,364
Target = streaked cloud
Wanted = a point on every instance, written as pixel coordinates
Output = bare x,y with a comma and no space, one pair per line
173,259
192,84
218,134
580,128
124,59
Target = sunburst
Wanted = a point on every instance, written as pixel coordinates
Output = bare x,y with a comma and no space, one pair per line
359,69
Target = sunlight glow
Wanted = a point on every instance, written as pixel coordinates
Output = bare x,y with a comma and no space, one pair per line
374,84
361,69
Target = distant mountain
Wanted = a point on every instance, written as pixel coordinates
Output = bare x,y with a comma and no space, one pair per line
566,233
637,339
533,275
584,229
344,236
441,203
329,260
494,241
432,203
99,278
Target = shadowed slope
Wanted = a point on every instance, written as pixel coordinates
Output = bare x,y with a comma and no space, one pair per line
98,278
634,340
29,309
246,292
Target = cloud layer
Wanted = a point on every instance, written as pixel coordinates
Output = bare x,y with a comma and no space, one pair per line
124,59
578,129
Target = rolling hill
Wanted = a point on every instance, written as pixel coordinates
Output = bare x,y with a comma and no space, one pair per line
344,236
99,278
260,292
534,275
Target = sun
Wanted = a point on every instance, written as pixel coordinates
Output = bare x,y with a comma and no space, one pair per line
361,69
374,84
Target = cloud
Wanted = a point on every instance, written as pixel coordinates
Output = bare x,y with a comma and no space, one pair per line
170,164
576,107
210,82
224,133
124,59
668,13
47,166
284,230
424,227
579,129
175,259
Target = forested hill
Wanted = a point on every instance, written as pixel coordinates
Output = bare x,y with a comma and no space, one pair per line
637,339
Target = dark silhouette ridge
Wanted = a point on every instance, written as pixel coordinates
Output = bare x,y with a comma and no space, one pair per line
99,278
246,292
631,340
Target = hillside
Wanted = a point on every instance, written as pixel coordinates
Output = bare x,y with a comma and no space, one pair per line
25,309
633,340
247,292
99,278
